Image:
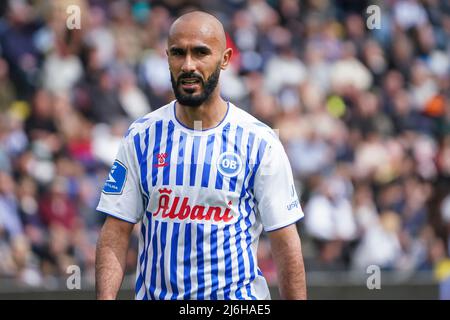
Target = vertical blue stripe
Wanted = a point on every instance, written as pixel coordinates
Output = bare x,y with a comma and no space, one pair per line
158,134
260,154
194,157
174,260
163,292
146,249
152,285
214,263
140,279
187,262
207,162
169,140
200,263
142,160
145,200
180,160
240,257
143,232
219,178
237,150
228,262
251,139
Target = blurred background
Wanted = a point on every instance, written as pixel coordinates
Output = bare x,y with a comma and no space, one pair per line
363,113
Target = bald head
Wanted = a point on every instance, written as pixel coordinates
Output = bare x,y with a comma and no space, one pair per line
199,25
197,52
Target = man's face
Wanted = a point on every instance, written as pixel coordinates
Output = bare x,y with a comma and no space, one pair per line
190,88
195,60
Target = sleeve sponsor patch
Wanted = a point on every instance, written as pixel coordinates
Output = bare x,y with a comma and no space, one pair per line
116,179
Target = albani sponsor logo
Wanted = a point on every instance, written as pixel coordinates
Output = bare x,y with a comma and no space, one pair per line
168,209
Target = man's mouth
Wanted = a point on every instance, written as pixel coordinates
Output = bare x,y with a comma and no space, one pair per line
190,84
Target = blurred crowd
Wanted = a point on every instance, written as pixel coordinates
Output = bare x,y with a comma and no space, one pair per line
364,116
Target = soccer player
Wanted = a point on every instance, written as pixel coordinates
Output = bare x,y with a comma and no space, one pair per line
203,178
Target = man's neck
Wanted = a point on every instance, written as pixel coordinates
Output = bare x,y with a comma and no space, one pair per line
206,116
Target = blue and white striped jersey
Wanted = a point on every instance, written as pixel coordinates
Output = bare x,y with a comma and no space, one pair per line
203,199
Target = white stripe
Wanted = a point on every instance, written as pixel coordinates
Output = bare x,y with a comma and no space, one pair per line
162,149
254,233
174,156
244,250
200,162
143,240
150,157
253,153
150,257
221,262
216,152
243,153
207,276
149,152
194,287
187,160
234,261
139,267
180,262
256,225
167,251
233,232
158,268
243,213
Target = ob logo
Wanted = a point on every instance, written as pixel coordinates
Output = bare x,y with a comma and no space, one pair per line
229,164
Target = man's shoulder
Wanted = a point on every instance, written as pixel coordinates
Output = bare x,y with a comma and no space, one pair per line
145,122
248,122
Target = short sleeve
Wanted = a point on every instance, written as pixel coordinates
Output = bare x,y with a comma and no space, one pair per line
278,203
121,195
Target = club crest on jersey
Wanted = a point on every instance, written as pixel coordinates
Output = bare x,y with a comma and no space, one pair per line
229,164
116,179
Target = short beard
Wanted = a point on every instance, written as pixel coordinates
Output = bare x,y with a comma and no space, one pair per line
192,100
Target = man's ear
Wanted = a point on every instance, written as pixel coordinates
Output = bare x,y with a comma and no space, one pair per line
226,58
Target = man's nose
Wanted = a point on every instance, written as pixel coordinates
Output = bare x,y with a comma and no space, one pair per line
188,64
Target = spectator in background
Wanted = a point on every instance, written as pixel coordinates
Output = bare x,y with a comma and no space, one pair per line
61,69
154,74
330,220
7,90
19,48
10,222
380,245
15,251
131,97
106,107
99,37
40,124
56,208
